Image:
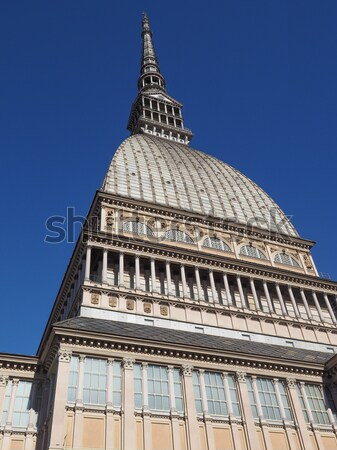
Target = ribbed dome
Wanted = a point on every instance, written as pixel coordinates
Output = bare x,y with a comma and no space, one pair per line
167,173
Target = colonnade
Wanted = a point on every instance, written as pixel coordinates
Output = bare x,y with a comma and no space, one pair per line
163,277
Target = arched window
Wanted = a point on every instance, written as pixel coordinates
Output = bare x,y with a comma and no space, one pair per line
253,252
178,236
283,258
132,226
217,244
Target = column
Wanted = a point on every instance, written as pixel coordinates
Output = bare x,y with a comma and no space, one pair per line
144,386
192,425
208,424
105,266
213,288
3,384
318,306
183,280
153,276
128,401
236,436
247,414
266,292
280,297
298,415
306,306
227,289
289,433
256,299
199,288
57,425
137,272
328,305
242,295
171,388
78,419
264,428
293,302
121,269
87,263
168,278
15,384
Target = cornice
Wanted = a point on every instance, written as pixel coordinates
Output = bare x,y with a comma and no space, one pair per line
222,224
134,346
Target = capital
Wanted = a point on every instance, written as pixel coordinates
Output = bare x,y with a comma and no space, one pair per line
187,370
241,377
128,363
3,380
64,355
291,383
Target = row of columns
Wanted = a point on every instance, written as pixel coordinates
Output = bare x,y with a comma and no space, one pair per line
215,295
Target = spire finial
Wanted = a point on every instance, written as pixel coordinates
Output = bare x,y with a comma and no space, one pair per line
153,111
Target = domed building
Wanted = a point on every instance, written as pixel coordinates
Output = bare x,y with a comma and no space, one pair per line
191,315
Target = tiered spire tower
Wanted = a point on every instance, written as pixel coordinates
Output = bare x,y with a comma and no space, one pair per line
154,112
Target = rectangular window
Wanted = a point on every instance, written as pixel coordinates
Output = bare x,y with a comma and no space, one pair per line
234,396
158,390
318,400
22,404
137,373
117,384
73,379
215,392
268,399
178,392
95,381
6,403
197,392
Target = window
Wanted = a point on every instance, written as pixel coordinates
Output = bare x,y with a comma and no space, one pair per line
215,393
268,399
319,400
157,379
132,226
73,379
217,403
218,244
253,252
95,381
178,236
283,258
22,404
137,373
158,388
117,384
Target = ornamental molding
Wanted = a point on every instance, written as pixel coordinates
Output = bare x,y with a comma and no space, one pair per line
4,380
241,377
194,219
64,355
128,363
187,370
116,343
291,383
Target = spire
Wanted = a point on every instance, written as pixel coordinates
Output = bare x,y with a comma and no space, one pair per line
149,63
153,111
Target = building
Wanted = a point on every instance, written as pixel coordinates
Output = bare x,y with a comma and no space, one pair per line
191,315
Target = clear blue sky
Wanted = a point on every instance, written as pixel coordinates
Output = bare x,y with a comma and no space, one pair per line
258,82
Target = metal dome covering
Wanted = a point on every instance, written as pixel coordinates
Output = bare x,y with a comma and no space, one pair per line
164,172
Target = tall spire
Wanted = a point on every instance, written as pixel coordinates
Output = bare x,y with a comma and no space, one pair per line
154,111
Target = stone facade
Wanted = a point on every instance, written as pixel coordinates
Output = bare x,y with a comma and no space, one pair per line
174,328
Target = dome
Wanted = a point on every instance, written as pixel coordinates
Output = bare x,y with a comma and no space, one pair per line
164,172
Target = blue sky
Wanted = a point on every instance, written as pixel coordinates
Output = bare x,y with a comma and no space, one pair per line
258,82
